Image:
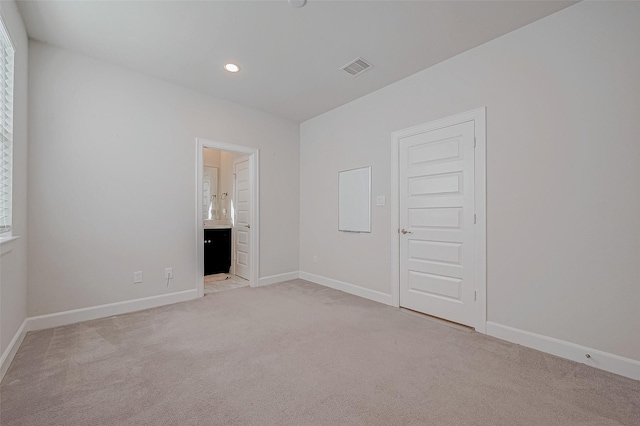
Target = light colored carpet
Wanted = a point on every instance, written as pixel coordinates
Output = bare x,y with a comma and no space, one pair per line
221,282
297,353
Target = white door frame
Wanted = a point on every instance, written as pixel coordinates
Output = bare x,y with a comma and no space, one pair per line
478,116
254,251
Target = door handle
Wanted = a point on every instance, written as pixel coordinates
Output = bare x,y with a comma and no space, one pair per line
404,231
247,226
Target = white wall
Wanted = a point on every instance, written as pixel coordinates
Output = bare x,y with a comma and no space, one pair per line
113,181
563,156
13,264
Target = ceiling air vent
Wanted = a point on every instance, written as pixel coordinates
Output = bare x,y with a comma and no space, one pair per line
357,66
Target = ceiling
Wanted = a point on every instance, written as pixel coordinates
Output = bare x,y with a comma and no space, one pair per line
290,57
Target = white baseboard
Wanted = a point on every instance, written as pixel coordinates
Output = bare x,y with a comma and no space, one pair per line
273,279
603,360
374,295
10,352
103,311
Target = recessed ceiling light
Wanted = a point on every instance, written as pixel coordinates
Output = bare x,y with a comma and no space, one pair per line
231,67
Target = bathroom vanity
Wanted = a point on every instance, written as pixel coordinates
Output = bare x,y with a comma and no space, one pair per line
217,250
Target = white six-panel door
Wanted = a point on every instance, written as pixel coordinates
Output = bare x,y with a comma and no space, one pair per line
242,225
436,218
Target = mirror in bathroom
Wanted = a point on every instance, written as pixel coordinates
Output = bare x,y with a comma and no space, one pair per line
210,200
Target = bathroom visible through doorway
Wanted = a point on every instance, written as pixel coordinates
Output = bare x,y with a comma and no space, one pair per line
227,208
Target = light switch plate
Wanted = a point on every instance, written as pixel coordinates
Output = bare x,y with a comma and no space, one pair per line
137,277
381,200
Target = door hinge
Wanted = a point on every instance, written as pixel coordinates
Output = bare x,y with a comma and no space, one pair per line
475,295
475,218
474,142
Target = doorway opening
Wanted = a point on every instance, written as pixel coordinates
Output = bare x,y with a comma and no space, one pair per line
227,214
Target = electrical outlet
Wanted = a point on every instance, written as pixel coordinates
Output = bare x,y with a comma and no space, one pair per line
315,259
137,277
168,273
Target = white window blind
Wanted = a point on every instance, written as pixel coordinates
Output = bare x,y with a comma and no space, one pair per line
6,128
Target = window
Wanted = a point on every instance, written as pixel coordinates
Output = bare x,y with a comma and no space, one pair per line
6,129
